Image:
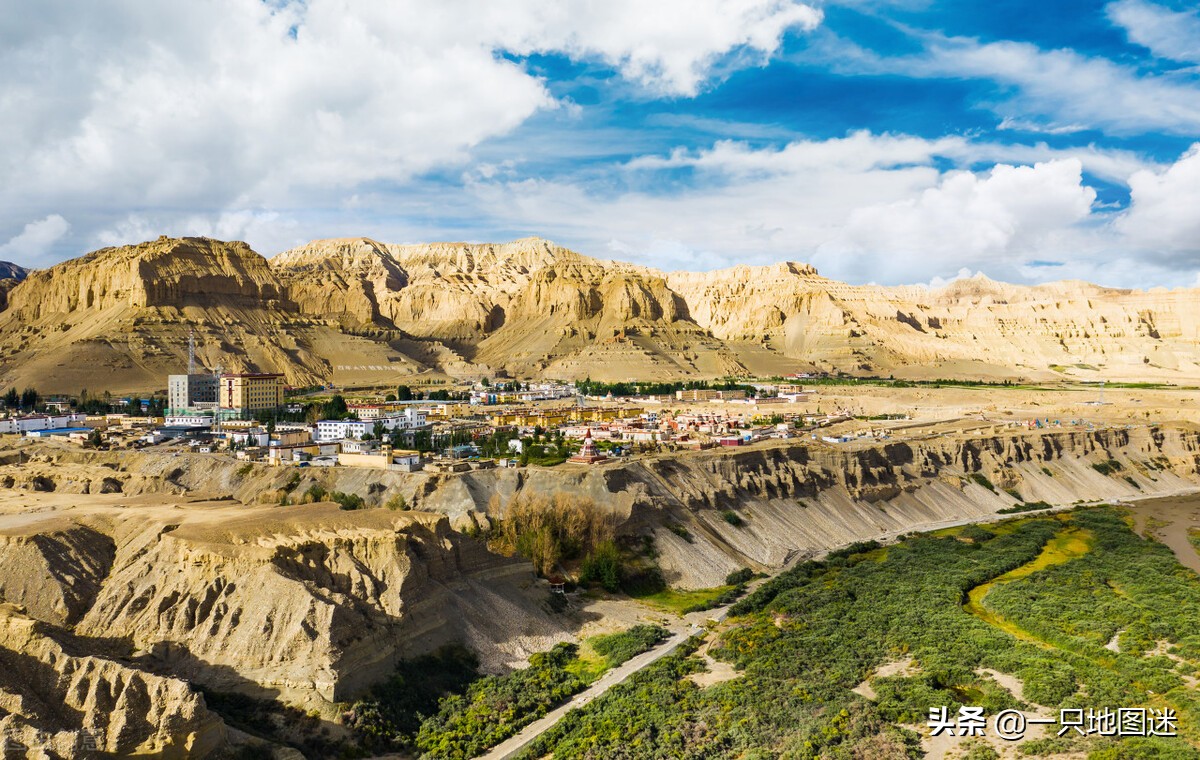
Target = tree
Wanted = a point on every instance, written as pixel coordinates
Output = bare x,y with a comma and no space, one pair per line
12,399
379,429
29,399
404,393
335,408
94,439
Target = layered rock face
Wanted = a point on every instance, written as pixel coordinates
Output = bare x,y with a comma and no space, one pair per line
59,698
308,605
358,310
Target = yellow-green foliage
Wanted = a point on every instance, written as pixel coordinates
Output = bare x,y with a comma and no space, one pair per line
548,530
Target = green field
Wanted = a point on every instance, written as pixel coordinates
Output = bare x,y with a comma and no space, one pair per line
1039,598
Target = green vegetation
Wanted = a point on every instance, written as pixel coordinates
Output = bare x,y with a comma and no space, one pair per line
591,387
680,531
982,480
398,502
314,493
1194,538
733,518
244,470
1028,506
390,716
348,501
496,707
551,530
1107,467
617,648
1046,470
745,575
681,601
1044,596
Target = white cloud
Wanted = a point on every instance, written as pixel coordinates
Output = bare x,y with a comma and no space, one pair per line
30,246
1053,91
1162,215
979,220
872,208
670,46
218,105
1174,35
262,230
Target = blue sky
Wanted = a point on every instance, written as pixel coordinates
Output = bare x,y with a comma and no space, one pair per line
902,142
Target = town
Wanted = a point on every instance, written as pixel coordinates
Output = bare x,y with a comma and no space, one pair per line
256,417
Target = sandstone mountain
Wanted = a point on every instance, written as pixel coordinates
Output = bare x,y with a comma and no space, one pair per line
10,275
357,311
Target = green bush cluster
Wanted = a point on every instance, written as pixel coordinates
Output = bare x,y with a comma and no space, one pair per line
1107,467
348,501
982,480
805,638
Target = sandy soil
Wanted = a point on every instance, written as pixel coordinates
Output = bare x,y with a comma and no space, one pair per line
1168,520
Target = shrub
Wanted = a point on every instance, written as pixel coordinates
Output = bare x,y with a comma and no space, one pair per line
1029,506
1107,467
680,531
348,501
617,648
733,518
603,566
398,502
315,492
982,480
739,576
245,469
548,530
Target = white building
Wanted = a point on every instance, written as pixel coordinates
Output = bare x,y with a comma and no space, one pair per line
41,422
339,430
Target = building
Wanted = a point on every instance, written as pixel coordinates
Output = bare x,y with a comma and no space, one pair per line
191,393
588,454
386,458
37,422
251,392
337,430
704,394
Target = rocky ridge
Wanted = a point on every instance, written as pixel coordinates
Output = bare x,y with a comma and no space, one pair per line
358,311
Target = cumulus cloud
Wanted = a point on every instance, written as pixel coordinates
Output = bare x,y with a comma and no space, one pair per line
1162,214
222,105
30,247
1170,34
670,46
1011,211
881,208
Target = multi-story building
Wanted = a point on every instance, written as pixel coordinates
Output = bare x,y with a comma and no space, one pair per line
337,430
251,392
191,393
705,394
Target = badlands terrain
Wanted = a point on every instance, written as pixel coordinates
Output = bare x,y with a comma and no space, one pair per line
360,312
145,592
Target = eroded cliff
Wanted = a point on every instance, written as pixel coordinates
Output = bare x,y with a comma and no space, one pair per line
356,310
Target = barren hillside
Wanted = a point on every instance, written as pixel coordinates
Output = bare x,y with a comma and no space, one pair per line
357,311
